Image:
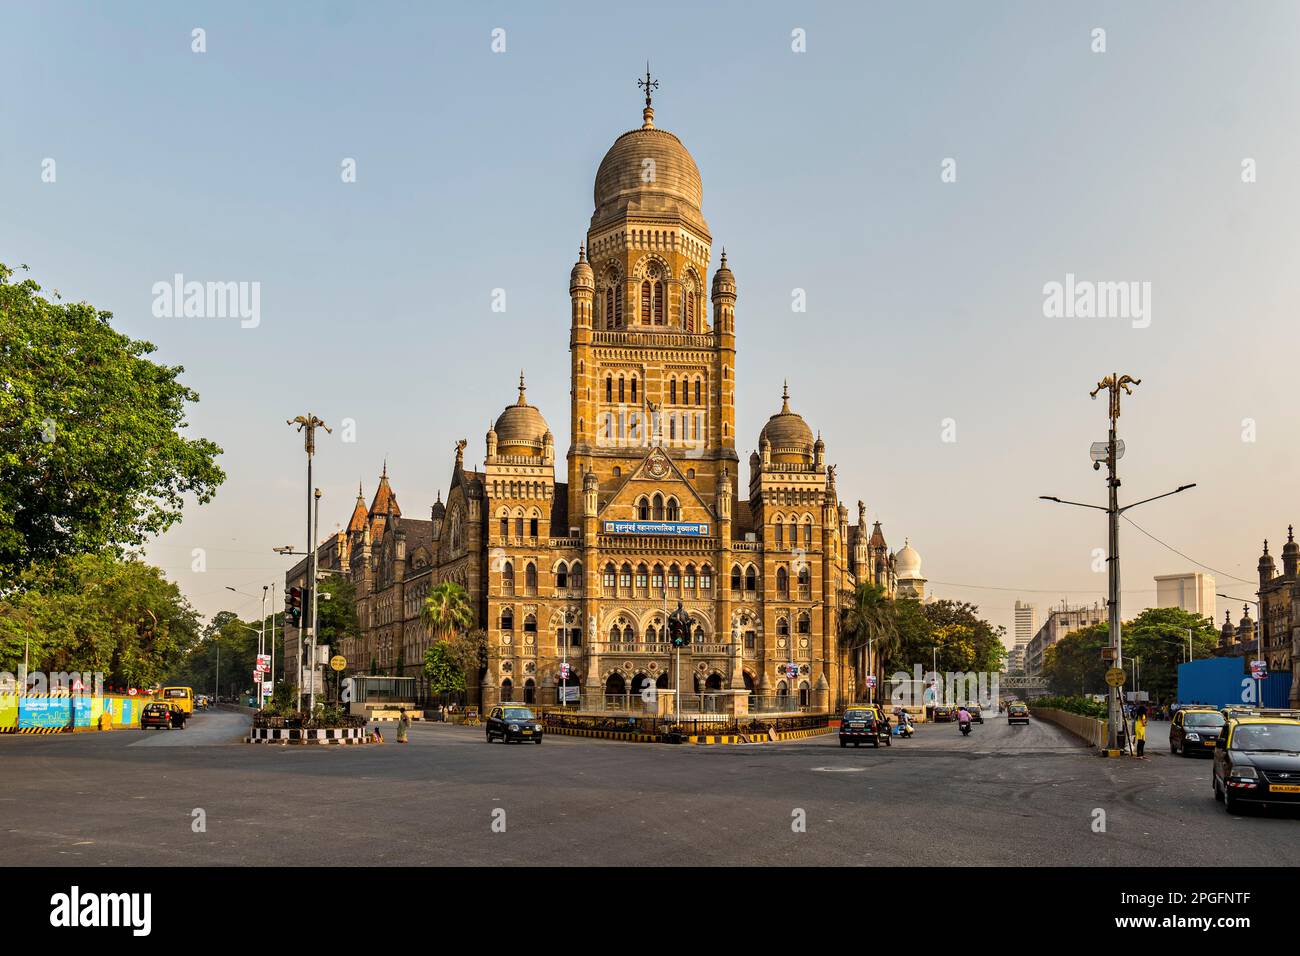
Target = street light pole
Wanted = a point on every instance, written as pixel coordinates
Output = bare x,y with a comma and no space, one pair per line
307,424
315,564
1116,385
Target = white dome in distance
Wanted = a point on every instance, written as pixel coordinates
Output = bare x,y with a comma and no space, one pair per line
907,563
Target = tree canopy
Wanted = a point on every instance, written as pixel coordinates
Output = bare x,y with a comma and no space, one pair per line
91,452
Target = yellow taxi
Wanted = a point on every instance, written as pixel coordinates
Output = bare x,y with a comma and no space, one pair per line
1257,761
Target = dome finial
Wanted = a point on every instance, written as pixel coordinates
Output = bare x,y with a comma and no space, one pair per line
785,395
648,114
522,388
384,473
582,252
724,257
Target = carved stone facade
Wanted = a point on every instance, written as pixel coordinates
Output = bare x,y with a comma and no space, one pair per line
584,571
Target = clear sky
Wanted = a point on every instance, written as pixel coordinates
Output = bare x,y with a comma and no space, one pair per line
821,172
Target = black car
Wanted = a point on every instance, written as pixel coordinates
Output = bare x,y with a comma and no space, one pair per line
1194,730
864,725
156,715
1017,713
1257,760
513,722
976,713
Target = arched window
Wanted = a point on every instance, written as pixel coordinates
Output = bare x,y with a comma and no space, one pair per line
688,580
530,691
672,392
615,634
751,579
507,691
706,578
674,577
804,699
697,392
735,578
642,577
562,576
652,296
609,578
805,623
530,624
658,507
507,620
651,635
613,300
609,388
657,577
575,576
699,635
629,635
780,688
779,532
642,509
807,535
782,627
674,510
530,578
620,388
633,389
625,578
689,309
805,583
646,298
782,583
508,578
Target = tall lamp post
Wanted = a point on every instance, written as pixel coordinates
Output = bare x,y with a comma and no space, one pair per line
1111,451
307,424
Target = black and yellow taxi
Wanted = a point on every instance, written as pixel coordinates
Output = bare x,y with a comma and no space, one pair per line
943,713
1257,761
1194,730
1017,713
976,713
864,724
156,714
513,722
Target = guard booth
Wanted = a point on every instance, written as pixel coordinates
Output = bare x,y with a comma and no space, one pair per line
376,698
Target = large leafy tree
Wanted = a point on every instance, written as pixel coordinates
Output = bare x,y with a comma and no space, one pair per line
869,633
447,610
96,613
338,614
91,452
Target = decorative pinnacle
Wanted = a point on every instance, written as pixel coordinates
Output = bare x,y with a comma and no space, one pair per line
1290,533
785,396
522,388
648,114
384,474
582,252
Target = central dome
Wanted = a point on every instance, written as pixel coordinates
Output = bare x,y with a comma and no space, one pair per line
648,173
521,429
788,434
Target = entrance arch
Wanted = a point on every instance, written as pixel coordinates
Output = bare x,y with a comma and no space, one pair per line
615,684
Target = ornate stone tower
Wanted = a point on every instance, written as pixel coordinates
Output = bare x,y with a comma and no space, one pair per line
648,366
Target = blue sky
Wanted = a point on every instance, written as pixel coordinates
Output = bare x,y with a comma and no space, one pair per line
821,171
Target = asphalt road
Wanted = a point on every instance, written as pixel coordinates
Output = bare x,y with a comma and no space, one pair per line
1005,795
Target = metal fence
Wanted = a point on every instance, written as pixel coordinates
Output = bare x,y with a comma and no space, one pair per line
687,726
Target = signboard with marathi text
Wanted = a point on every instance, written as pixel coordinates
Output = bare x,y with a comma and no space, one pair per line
688,529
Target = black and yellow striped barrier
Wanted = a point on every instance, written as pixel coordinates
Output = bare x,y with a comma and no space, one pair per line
701,739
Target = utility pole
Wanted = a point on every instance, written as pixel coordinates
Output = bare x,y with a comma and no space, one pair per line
1111,451
307,424
315,572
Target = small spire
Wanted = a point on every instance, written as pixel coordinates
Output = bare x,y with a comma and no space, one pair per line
582,252
439,496
649,85
384,475
785,396
724,257
1290,534
522,388
360,494
1266,545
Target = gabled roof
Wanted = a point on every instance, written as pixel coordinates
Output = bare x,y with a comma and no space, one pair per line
359,514
877,537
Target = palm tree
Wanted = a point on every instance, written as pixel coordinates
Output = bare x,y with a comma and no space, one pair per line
869,631
447,610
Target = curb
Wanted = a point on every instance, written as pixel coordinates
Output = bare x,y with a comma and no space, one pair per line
698,740
312,741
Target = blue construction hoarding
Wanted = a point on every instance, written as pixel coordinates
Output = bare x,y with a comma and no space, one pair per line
1226,681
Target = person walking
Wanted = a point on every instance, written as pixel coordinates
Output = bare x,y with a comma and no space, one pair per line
403,724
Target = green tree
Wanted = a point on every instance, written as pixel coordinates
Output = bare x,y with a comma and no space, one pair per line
1073,665
338,613
868,633
1157,638
442,671
91,452
447,610
96,613
966,642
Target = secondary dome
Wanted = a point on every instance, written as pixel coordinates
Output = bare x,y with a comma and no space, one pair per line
907,563
648,173
521,429
789,435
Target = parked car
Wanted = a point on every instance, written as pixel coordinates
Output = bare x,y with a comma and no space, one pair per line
1194,730
1257,760
512,722
1017,713
863,724
944,714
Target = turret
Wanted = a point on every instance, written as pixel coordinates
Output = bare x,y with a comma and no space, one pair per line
590,495
1290,554
724,298
1266,567
1227,632
582,290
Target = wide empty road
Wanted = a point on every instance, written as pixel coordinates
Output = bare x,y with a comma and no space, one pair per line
1005,795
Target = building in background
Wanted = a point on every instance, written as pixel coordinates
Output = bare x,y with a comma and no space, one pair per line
1060,622
1279,612
1192,592
1026,614
907,569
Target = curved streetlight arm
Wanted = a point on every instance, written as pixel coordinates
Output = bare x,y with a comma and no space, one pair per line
1157,497
1077,504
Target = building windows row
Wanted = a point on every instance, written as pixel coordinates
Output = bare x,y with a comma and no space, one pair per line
657,508
619,581
779,532
566,577
532,525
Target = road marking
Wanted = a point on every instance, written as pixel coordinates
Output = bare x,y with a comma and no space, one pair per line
839,769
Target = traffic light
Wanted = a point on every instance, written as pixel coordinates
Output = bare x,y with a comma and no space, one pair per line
293,606
679,627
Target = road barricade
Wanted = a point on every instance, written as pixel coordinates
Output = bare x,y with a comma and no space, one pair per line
1090,730
68,713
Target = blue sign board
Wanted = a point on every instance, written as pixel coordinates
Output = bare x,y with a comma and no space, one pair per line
687,529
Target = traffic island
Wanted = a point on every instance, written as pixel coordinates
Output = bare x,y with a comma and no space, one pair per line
300,729
699,731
